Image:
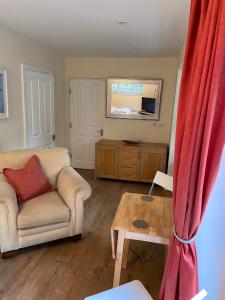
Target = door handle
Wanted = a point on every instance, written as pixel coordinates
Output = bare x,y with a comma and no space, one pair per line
100,131
53,137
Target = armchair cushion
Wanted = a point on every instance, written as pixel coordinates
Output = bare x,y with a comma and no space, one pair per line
46,209
30,181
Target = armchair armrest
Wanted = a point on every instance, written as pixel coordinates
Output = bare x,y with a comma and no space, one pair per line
8,218
74,190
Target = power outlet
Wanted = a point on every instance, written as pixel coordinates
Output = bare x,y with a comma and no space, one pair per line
158,124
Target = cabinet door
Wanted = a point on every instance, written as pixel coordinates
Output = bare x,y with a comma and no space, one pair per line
151,162
106,161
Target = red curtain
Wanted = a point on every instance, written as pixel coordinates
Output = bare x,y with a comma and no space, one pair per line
200,138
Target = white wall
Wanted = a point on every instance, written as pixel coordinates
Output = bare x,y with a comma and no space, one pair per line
210,241
174,123
14,50
174,119
154,68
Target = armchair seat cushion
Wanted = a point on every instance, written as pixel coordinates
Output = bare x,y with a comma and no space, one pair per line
45,209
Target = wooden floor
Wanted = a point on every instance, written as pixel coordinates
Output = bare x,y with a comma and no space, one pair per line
76,270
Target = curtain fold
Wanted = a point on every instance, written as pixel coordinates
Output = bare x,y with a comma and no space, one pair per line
200,138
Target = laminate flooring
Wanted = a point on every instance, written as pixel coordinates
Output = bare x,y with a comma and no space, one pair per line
75,270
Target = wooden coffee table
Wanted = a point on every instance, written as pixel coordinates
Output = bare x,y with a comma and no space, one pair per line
158,213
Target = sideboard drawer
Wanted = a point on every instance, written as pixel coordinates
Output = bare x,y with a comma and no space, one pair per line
129,153
128,157
128,173
128,161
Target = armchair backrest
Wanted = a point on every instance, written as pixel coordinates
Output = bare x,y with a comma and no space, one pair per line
53,160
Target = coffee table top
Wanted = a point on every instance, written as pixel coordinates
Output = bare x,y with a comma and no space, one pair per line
158,214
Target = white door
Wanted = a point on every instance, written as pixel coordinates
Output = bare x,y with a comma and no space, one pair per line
39,109
87,106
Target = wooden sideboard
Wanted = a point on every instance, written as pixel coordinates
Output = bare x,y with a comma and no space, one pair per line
118,160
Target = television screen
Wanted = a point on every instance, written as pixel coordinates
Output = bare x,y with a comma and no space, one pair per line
148,105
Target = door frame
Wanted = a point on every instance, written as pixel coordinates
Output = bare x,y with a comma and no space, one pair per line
24,68
68,88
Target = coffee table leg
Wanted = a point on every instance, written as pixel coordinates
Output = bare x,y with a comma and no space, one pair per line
125,253
119,257
113,241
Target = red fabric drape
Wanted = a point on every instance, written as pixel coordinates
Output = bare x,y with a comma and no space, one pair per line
200,138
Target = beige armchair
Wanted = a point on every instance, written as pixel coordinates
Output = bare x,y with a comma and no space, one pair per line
48,217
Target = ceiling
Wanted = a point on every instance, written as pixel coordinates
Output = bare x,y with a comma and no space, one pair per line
90,27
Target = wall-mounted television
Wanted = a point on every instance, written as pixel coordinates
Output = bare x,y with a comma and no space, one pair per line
133,98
